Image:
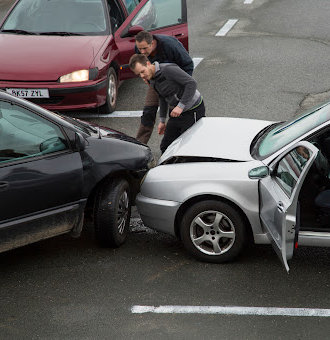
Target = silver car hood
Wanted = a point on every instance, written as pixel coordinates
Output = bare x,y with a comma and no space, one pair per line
219,137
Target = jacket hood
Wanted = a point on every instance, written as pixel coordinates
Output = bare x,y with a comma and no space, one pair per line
217,137
46,58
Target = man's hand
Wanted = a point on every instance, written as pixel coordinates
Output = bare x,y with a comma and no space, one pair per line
161,128
176,112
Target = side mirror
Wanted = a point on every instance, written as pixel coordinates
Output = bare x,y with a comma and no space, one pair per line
80,142
259,172
134,30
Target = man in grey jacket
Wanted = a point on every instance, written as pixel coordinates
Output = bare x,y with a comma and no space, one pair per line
164,49
178,95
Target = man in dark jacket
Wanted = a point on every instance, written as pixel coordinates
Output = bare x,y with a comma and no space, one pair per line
178,95
163,49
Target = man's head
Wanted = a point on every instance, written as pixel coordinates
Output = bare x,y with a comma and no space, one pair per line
302,151
141,66
145,43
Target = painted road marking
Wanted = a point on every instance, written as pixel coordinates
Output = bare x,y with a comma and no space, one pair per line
232,310
247,2
115,114
197,61
123,114
226,27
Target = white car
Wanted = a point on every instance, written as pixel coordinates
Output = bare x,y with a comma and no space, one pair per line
226,179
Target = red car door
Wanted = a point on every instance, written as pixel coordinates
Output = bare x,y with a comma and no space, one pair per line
167,17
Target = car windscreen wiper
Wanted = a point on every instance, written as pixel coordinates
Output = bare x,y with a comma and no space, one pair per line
86,125
80,123
19,32
60,33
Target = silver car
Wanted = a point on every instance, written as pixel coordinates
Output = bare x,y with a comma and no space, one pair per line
226,181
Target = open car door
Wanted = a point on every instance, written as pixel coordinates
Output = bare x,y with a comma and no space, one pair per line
167,17
279,207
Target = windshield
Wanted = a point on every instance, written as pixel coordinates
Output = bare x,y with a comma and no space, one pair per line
57,16
287,132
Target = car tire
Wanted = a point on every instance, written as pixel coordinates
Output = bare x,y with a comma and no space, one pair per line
112,213
204,227
112,92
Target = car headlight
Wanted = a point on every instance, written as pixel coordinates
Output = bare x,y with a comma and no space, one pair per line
80,75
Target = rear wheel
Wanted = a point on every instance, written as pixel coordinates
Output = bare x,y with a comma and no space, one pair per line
213,231
112,213
112,92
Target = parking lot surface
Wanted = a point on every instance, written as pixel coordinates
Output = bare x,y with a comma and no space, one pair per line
271,64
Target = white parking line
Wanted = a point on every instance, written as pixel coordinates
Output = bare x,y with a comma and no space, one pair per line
232,310
247,2
226,27
115,114
197,61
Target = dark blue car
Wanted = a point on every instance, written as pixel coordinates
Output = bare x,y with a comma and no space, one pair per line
54,170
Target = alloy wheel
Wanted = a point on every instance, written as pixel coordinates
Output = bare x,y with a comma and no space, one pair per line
112,89
212,232
123,211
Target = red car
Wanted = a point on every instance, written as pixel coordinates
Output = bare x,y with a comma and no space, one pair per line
67,54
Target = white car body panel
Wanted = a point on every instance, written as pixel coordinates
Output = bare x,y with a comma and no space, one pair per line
177,183
211,161
278,211
226,138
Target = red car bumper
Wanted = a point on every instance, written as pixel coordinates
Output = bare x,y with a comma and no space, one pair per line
65,97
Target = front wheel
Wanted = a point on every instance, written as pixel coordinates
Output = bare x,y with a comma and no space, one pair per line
112,92
112,213
213,231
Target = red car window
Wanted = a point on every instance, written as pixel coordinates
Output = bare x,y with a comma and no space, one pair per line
130,5
156,14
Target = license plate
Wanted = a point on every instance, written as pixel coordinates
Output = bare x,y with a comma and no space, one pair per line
29,93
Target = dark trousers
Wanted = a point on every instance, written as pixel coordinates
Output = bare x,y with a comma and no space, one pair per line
177,125
148,116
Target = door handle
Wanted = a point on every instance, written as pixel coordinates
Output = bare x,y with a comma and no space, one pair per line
280,206
4,185
179,35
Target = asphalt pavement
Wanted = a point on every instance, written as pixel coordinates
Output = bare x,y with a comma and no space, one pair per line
272,63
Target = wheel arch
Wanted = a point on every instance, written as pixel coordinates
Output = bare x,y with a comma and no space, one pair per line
121,174
116,67
186,205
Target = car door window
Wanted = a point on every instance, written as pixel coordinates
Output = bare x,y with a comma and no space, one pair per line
130,5
116,14
290,167
25,135
159,13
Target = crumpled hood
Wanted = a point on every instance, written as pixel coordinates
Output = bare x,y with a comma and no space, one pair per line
219,137
107,132
110,133
45,58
